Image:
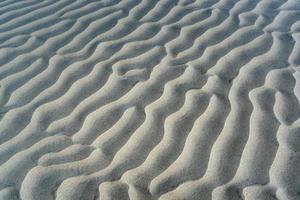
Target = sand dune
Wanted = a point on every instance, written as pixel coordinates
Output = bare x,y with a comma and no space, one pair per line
150,99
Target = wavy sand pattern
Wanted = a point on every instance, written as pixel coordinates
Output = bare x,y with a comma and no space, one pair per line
150,99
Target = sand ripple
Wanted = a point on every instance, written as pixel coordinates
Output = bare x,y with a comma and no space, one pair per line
150,99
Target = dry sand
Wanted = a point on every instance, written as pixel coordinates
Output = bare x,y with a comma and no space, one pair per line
149,99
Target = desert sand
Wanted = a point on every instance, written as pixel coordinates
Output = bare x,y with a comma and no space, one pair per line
150,99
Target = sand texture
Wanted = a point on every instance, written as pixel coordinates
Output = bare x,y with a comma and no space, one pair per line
149,100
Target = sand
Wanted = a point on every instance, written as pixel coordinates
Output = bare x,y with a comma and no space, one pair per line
150,99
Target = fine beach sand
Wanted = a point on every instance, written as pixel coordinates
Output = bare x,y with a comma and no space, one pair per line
149,99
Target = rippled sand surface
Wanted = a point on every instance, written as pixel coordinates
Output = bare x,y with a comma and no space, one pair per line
149,100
